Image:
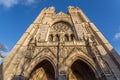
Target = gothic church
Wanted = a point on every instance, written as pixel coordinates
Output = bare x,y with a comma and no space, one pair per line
62,46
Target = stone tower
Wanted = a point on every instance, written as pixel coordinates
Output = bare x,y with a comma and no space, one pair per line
59,46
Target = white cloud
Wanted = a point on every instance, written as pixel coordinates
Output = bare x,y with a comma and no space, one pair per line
4,54
30,1
10,3
27,2
117,36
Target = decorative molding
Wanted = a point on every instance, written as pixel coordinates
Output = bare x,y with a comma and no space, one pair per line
60,27
61,15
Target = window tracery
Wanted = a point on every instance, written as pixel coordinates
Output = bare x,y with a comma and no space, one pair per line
62,32
60,27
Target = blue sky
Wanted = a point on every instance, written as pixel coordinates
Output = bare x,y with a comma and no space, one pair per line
17,15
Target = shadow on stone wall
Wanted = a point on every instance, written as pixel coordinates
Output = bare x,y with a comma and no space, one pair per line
113,54
1,71
19,78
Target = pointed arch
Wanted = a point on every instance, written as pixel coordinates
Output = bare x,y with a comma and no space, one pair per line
82,58
81,71
43,71
39,61
80,67
66,37
57,37
62,20
50,37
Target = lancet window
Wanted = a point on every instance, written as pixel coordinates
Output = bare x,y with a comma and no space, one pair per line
62,32
72,37
57,37
50,37
66,37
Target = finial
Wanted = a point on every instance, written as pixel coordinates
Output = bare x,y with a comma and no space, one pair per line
71,7
51,8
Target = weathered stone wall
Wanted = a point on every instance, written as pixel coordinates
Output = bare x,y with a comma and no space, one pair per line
62,39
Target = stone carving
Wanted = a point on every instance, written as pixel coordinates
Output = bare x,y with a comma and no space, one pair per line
62,77
38,37
97,58
60,27
61,32
54,49
71,49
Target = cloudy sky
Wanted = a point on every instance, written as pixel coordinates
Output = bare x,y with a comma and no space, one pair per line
17,15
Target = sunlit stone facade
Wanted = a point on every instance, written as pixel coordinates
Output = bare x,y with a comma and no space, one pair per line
60,46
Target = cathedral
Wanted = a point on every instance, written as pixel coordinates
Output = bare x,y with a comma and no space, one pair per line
62,46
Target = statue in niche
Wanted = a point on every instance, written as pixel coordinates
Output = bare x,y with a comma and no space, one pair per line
38,37
85,36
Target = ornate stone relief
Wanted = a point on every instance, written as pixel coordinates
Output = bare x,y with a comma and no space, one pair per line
100,61
61,15
60,27
61,32
38,37
83,50
53,49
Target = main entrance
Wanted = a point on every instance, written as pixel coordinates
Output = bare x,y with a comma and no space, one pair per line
81,71
43,71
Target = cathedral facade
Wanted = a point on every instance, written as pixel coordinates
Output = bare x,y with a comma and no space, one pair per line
60,46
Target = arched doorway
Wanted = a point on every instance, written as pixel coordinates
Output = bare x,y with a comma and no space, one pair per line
81,71
43,71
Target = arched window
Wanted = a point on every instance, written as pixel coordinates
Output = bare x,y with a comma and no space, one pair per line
57,37
66,37
72,37
50,37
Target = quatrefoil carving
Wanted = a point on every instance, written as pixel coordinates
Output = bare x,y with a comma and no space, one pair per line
60,27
